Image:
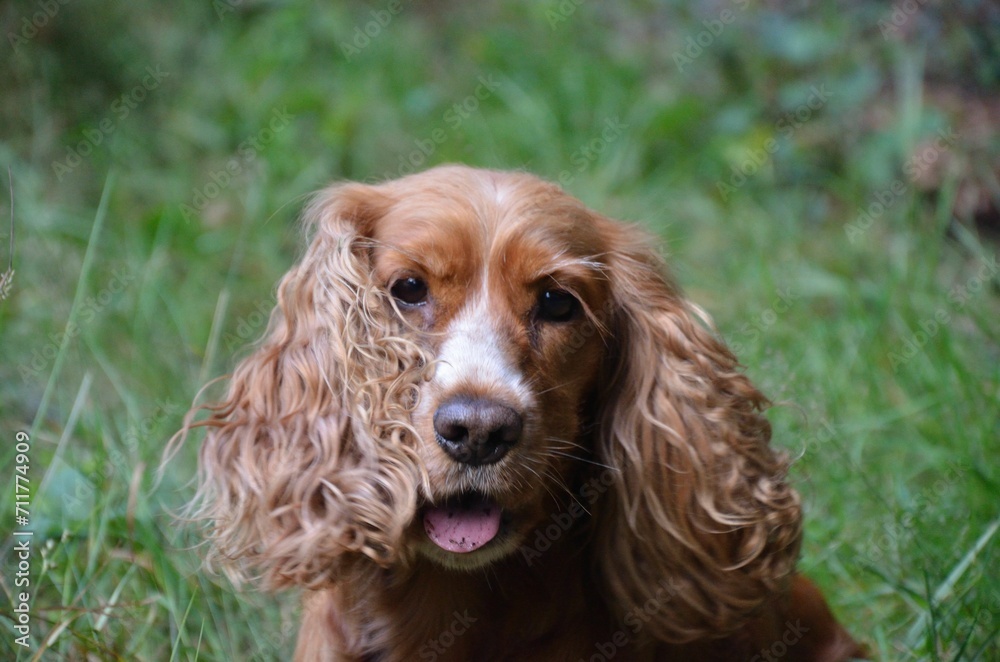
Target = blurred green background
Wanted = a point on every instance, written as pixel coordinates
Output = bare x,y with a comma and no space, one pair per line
825,178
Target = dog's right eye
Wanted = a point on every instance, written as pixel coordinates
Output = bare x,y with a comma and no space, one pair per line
557,306
411,291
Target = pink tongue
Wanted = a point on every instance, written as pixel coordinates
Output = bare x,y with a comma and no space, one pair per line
462,528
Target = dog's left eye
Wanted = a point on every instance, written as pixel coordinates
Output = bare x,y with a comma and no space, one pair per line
557,306
411,290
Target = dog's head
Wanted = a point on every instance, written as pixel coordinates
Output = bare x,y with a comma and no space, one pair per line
460,356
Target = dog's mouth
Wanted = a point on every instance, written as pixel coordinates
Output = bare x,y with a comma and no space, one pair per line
463,523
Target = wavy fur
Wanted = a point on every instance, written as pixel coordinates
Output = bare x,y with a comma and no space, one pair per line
321,465
700,496
312,449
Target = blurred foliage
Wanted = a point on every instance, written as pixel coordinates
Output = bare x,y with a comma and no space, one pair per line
752,141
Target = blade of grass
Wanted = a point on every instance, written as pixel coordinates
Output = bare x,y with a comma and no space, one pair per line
218,321
180,629
222,304
88,260
74,415
113,599
7,277
948,585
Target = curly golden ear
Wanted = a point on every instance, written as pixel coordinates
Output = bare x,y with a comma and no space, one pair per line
311,447
700,500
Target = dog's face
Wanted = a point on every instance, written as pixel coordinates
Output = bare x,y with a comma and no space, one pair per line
503,283
449,357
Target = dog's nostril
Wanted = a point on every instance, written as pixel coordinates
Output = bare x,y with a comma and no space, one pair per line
476,430
449,430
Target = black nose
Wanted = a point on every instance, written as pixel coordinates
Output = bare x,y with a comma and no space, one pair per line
475,430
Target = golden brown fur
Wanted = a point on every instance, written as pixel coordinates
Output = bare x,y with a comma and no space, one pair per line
643,444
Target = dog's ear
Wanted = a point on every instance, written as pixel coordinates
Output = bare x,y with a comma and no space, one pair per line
310,449
700,518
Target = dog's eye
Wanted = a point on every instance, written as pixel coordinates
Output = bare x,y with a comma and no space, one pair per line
411,290
557,306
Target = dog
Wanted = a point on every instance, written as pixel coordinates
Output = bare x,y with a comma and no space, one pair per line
485,424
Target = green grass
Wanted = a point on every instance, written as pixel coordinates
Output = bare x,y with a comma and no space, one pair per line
897,447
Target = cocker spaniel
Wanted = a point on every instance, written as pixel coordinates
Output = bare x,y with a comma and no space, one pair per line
485,425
